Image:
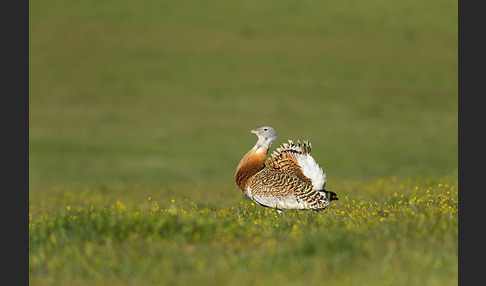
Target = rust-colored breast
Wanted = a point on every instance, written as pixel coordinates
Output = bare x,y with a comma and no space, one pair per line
250,164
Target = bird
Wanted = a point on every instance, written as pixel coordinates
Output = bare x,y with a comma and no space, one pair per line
289,179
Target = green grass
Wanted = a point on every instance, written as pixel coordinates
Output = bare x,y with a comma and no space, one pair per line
130,100
391,231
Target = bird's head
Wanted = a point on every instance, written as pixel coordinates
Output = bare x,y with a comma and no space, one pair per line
266,136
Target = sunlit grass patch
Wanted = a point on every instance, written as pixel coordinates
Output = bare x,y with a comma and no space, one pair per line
144,239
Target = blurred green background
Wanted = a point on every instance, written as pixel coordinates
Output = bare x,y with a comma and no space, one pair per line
160,93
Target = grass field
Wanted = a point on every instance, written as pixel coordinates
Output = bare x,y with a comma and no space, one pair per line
140,111
401,234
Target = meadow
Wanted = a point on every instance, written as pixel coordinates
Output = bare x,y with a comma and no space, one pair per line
404,234
140,111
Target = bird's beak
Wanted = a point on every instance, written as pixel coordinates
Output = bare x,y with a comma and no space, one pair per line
254,131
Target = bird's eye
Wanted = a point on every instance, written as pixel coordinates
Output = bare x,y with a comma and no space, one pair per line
264,129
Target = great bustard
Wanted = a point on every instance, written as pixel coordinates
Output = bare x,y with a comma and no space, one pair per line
290,179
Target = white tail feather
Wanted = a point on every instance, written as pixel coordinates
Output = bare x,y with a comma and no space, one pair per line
312,170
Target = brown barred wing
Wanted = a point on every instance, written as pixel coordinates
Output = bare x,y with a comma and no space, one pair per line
284,159
281,190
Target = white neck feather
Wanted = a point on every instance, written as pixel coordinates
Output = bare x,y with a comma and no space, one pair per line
263,144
